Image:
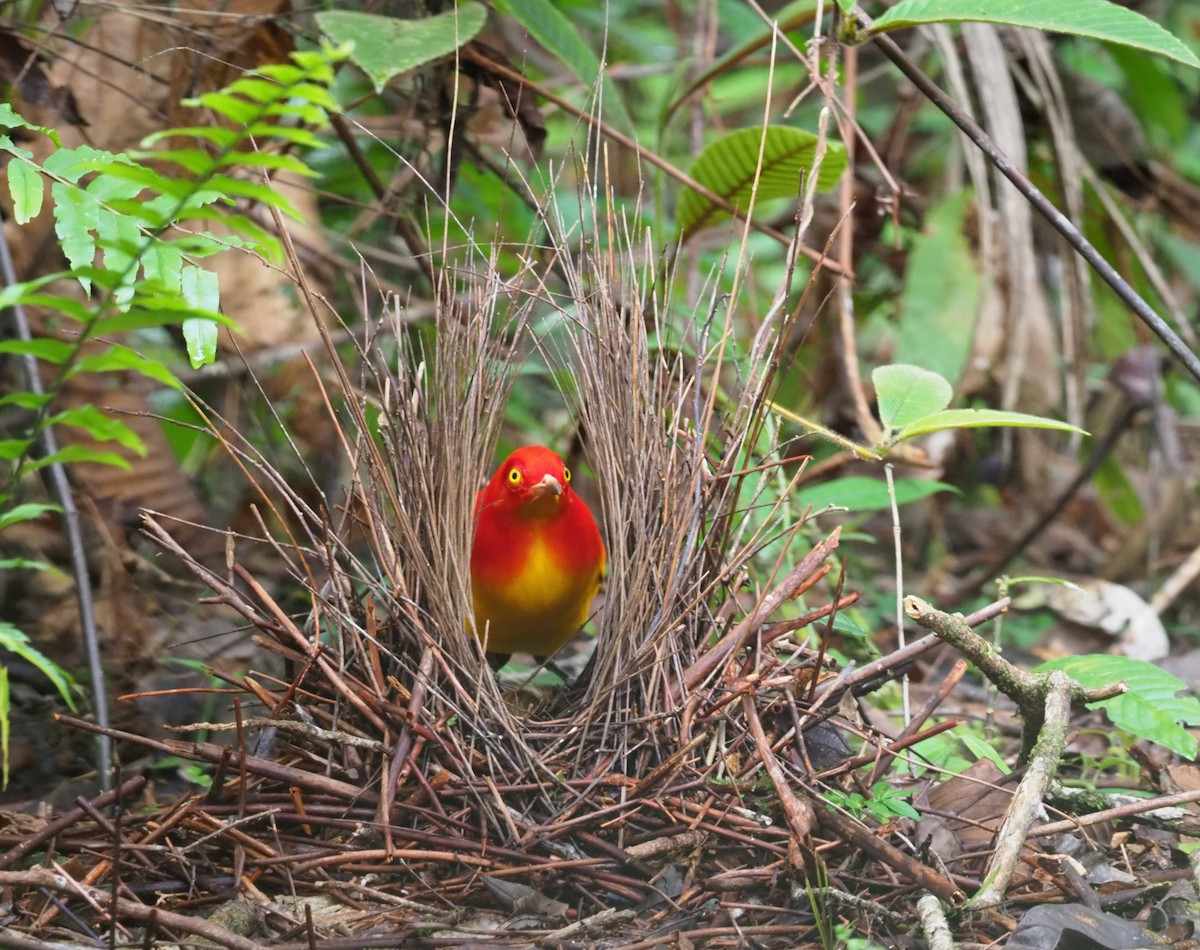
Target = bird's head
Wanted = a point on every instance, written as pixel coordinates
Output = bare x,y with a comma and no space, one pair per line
533,481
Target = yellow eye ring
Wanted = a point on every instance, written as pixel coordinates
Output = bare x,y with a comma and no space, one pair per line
566,474
514,476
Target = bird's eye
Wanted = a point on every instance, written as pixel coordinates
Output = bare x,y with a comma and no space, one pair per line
514,476
566,474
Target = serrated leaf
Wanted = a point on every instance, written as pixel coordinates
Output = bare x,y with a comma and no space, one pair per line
72,164
385,47
27,190
906,393
10,120
727,168
1097,19
859,493
1152,709
76,215
981,418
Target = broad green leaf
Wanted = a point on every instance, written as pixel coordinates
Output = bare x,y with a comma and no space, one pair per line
941,294
163,262
156,312
14,448
76,215
1152,709
200,290
101,427
42,348
1153,94
1118,492
26,512
907,393
72,164
27,400
117,359
27,564
121,242
274,161
859,493
386,47
10,120
26,187
980,418
15,641
218,135
727,168
70,454
984,750
552,28
234,108
1097,19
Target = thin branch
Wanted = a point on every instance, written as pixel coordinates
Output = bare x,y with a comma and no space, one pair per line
1059,221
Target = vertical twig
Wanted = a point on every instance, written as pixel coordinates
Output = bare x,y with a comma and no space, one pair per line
70,513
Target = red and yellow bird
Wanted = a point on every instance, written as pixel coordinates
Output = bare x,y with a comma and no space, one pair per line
537,560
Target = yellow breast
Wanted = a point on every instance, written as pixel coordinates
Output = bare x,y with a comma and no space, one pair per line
538,610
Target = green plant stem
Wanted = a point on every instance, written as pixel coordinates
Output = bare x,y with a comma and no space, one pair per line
1059,221
70,513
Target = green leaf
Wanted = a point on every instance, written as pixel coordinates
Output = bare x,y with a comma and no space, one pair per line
386,47
118,359
200,289
727,168
121,243
43,348
860,493
29,511
941,293
70,454
101,427
1097,19
980,418
25,186
10,120
14,448
1152,93
27,400
15,641
552,28
163,262
72,164
26,564
76,215
1152,709
907,393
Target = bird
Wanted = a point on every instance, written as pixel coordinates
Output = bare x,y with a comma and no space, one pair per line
537,560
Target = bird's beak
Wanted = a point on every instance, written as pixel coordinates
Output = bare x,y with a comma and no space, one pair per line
548,486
